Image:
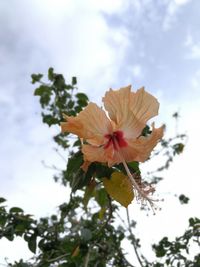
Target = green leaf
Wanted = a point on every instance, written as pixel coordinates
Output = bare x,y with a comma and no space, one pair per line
36,77
21,228
134,166
59,82
102,170
9,232
101,197
79,180
3,219
16,210
159,250
2,199
51,74
82,103
61,140
82,96
77,143
77,177
183,199
49,119
178,148
70,104
32,243
74,163
146,131
43,89
74,80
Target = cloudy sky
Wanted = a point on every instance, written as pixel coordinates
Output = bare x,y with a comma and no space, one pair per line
105,44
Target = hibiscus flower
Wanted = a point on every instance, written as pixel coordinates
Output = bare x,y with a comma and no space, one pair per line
115,136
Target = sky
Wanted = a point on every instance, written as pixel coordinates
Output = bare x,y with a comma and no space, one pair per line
106,44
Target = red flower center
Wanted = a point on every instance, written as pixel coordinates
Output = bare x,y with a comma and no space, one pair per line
116,139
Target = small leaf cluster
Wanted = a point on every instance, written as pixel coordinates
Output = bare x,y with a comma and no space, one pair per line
177,252
57,98
15,223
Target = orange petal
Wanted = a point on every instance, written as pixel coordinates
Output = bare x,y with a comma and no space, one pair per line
143,105
139,149
100,154
130,111
91,124
117,104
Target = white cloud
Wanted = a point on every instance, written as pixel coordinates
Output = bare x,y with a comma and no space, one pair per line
137,71
192,46
188,40
194,52
172,9
181,2
195,84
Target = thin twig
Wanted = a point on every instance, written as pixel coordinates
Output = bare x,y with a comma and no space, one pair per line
127,262
52,167
61,156
133,238
58,258
87,258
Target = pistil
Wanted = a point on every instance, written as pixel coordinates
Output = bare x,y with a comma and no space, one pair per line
116,138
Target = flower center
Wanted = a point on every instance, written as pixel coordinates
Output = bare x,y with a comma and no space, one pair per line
116,139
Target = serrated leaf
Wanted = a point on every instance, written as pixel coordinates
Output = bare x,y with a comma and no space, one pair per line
120,188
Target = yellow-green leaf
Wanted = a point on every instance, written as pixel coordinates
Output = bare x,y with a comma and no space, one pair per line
120,188
102,213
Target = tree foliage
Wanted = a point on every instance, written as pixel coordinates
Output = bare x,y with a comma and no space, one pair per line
86,231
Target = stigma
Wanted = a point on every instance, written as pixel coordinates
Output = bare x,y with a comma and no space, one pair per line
116,139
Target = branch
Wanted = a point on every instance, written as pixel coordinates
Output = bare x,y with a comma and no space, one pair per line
59,257
87,258
133,239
